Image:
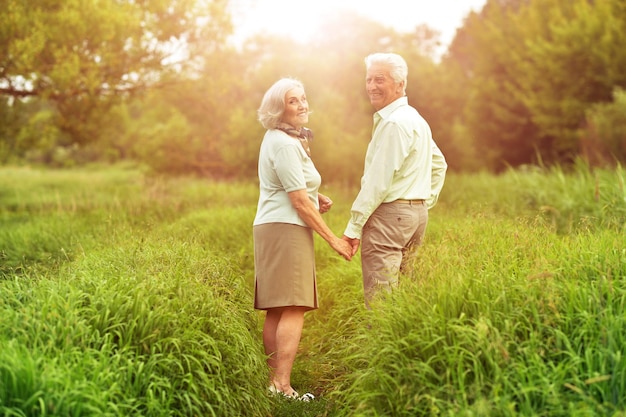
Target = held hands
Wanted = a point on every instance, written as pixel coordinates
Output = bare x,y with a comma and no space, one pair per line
343,248
353,242
325,203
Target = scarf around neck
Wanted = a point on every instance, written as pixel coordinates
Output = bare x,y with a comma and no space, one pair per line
304,135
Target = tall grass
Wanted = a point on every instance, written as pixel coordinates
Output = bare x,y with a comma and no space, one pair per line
518,335
508,312
124,308
128,295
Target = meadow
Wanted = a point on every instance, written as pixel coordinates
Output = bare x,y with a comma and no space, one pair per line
128,294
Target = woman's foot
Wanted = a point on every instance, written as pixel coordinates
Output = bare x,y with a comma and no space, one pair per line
306,397
291,394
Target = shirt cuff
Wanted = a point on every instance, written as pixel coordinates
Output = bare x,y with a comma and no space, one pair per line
353,231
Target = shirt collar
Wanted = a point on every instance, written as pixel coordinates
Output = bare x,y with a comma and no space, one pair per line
391,107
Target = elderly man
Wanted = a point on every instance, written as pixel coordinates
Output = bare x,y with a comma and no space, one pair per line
403,175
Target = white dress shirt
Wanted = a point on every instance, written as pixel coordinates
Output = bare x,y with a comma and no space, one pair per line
402,162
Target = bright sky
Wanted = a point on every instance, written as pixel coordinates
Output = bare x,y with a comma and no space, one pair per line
300,18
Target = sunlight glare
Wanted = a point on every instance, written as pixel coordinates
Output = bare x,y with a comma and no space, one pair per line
300,20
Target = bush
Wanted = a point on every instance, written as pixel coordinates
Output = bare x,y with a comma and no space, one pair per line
604,139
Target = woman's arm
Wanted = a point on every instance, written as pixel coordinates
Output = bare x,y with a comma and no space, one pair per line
312,217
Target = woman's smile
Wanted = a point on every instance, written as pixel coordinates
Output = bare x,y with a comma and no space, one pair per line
296,108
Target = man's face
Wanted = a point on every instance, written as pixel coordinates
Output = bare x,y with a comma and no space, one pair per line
380,87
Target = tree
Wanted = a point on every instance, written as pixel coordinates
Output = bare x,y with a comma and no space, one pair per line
533,68
573,58
493,118
83,56
604,138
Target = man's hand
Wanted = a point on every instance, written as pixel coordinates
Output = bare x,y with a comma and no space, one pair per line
354,242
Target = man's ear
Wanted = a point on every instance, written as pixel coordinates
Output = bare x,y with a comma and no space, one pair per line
401,86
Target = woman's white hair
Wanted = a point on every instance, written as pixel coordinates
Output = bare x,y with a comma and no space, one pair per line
273,104
398,68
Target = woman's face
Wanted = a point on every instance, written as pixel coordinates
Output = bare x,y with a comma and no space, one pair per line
296,108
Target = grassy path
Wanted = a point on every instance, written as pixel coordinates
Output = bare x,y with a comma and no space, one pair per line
123,294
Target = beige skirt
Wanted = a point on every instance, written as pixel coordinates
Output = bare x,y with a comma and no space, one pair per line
284,264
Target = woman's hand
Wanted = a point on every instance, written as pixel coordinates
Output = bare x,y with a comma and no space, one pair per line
325,203
312,217
353,242
342,247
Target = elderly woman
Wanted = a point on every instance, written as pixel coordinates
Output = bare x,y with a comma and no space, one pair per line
288,212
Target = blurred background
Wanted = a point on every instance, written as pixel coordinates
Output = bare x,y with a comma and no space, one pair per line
174,84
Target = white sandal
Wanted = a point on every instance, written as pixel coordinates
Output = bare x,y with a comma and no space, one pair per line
295,396
306,397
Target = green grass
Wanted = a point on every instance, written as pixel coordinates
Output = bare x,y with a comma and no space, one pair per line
123,294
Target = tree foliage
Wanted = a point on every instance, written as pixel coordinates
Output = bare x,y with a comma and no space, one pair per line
534,67
82,56
604,138
161,81
571,60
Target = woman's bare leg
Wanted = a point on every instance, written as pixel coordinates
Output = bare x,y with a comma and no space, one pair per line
281,336
272,317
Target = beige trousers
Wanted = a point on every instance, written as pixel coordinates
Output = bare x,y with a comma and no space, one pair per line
389,240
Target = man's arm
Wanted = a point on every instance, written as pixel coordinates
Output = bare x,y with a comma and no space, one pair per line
438,175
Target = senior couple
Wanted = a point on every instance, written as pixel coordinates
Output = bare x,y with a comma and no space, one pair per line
403,175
